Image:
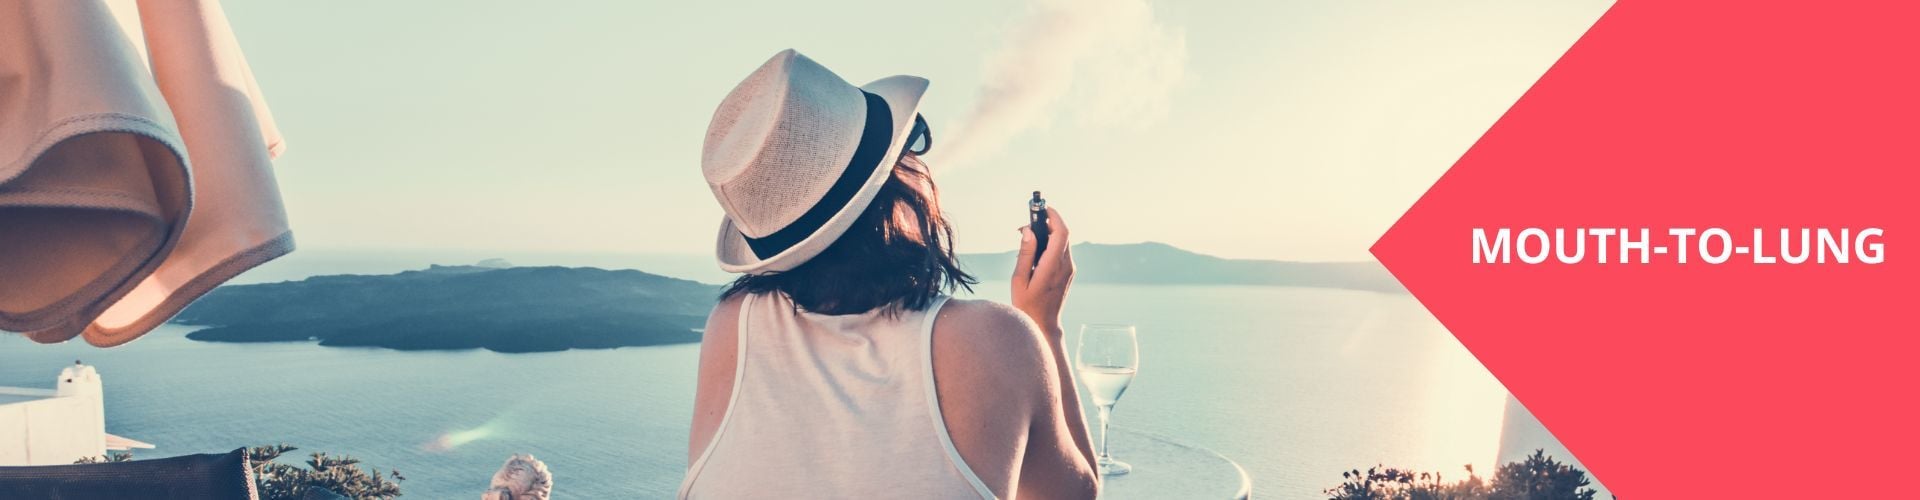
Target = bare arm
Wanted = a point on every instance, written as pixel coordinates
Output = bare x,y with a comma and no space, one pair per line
1069,396
1060,460
719,350
1000,394
1041,291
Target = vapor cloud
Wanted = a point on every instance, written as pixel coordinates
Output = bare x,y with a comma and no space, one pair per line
1104,63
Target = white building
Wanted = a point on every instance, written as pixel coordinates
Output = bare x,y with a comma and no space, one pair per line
60,425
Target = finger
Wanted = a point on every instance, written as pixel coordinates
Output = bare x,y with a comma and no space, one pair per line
1056,225
1066,254
1066,260
1023,260
1055,256
1047,271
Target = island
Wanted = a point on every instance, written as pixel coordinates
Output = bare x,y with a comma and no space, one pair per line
492,306
1153,263
496,306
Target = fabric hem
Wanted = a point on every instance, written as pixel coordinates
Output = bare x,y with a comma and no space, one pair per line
77,125
53,324
45,325
190,291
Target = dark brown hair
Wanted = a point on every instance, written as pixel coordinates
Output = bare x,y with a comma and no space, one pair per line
897,254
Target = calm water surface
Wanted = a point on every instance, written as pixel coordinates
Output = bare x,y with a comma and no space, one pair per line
1296,384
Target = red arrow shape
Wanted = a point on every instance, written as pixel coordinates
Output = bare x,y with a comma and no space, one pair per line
1701,380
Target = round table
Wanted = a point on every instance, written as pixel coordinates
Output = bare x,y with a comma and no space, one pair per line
1164,468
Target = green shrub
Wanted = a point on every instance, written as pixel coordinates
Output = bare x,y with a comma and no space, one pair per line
1539,477
341,475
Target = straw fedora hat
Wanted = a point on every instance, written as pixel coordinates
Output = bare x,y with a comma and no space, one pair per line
794,154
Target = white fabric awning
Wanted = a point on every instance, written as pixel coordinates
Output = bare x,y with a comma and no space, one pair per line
117,443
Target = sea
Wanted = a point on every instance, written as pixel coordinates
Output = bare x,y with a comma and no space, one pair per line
1296,385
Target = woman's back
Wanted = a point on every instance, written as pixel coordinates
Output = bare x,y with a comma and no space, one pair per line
831,407
829,209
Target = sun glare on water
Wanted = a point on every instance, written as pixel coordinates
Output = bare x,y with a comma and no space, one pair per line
450,440
1463,410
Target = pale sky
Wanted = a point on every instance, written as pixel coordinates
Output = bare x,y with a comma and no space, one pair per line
1297,130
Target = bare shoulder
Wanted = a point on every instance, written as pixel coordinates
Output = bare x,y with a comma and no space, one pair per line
719,350
724,321
989,319
719,344
994,343
991,368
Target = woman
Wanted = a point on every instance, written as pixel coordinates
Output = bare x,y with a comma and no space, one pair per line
837,367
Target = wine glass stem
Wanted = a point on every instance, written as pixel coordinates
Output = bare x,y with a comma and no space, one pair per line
1106,413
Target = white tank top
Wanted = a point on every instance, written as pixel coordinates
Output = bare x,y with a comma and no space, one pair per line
832,407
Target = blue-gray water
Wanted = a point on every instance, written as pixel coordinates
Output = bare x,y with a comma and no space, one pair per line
1296,384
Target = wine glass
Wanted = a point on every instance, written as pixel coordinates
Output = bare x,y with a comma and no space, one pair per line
1109,356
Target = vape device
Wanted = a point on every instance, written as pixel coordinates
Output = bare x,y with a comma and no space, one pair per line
1037,221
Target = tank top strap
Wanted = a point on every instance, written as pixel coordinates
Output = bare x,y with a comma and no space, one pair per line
733,397
930,316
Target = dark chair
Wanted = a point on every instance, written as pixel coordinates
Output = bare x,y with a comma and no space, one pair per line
198,477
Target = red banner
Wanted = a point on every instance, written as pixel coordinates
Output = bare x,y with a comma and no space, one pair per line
1737,136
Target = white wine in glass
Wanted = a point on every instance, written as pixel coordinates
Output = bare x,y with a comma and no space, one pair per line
1109,357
